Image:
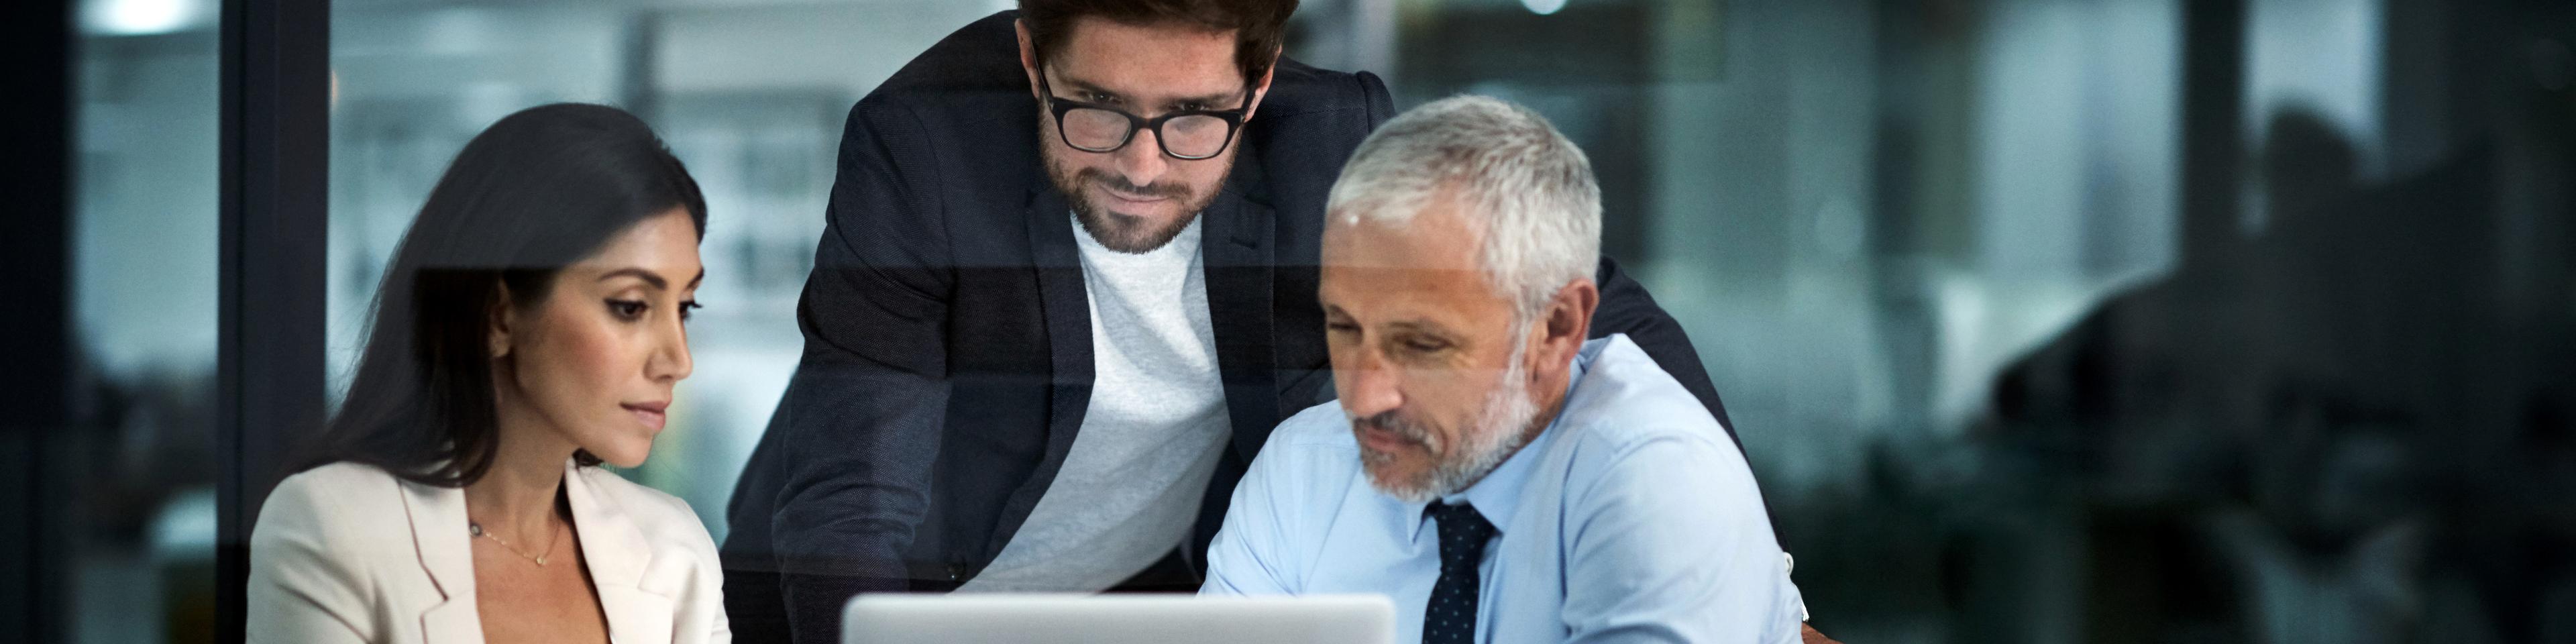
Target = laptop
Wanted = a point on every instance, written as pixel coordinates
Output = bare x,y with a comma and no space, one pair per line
1120,619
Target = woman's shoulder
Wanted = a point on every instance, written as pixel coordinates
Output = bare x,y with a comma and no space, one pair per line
339,492
343,516
341,473
660,515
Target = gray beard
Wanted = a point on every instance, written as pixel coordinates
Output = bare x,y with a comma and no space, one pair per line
1498,431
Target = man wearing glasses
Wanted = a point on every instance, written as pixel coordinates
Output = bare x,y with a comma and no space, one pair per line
1065,291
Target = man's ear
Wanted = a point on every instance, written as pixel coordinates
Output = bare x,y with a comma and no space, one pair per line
1028,56
1567,322
505,317
1261,90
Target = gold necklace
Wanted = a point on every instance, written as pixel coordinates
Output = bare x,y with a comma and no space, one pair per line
477,530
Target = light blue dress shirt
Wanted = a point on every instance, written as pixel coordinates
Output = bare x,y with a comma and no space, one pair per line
1631,518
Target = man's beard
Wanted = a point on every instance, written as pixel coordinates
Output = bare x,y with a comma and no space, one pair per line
1500,428
1119,232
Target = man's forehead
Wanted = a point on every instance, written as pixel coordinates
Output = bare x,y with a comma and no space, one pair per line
1436,239
1429,263
1147,62
1438,300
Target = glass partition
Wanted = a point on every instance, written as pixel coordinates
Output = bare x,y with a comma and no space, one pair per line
2040,320
141,520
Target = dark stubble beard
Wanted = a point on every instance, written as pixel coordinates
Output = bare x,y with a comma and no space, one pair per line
1119,232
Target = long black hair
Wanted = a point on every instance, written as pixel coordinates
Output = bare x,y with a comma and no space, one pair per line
535,192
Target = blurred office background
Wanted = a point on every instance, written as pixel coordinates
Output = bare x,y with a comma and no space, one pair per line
2042,320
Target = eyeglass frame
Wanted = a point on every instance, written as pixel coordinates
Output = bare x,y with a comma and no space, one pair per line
1059,106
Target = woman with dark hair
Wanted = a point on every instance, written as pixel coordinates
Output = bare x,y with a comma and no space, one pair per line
529,329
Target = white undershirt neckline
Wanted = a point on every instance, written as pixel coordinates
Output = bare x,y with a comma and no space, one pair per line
1129,489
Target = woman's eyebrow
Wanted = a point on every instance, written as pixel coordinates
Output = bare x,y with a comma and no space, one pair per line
649,277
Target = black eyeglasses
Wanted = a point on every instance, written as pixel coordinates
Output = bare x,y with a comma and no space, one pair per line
1184,134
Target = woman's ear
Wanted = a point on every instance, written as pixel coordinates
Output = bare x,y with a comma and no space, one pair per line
505,316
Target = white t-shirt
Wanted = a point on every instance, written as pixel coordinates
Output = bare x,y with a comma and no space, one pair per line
1130,487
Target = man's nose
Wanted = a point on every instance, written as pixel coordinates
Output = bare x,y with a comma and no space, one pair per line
1142,163
1369,386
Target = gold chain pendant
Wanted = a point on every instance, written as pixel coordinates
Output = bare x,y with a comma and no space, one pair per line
477,530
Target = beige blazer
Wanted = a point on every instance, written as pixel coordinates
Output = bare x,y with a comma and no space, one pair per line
349,553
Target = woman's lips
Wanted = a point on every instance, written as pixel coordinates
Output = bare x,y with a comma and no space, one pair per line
653,415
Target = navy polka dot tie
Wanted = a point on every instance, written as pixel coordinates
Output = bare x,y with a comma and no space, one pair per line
1450,616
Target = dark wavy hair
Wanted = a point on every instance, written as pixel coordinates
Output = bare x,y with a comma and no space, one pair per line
537,191
1259,26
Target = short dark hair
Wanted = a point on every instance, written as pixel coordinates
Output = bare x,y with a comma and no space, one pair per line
1259,26
536,192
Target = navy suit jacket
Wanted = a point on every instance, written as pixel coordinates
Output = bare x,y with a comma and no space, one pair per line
947,360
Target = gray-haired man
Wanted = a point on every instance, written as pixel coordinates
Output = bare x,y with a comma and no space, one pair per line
1502,478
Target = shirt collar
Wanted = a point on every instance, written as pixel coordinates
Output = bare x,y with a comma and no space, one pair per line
1498,495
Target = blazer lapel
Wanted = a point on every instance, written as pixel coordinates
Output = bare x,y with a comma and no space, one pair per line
447,555
635,587
1065,304
1238,257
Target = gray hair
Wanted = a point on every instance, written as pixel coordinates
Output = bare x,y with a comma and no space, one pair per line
1531,190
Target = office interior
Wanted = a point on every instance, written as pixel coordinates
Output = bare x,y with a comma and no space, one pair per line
2043,321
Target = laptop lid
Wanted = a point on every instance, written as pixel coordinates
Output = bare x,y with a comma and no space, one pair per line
1120,619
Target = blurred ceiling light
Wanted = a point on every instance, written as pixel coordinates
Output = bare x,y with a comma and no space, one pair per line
1543,7
141,17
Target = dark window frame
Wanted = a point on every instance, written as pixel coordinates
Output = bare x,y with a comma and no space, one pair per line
35,345
275,119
